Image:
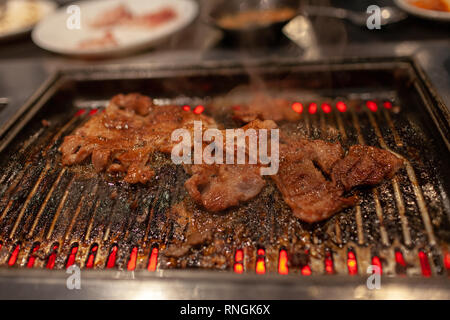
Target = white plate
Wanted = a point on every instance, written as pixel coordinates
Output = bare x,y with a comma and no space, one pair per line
423,13
16,11
53,34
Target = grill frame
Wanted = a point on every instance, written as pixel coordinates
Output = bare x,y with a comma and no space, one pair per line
317,287
204,285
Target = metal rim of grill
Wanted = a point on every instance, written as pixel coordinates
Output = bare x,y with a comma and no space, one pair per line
31,238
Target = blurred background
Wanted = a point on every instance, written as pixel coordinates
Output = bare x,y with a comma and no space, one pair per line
308,34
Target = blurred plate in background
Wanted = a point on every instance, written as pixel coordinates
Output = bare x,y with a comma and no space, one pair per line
20,16
113,27
409,7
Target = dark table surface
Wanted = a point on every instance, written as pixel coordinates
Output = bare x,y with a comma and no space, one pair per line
24,66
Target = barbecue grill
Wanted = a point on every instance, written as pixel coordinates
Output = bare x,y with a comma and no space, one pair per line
52,217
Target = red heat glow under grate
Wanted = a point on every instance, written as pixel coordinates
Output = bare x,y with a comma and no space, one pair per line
238,268
399,259
260,266
52,258
72,256
283,262
239,259
426,270
377,262
372,106
199,109
112,257
341,106
446,260
387,105
239,256
91,258
93,111
32,257
133,258
312,108
13,258
297,107
153,261
352,265
326,108
80,112
260,262
306,270
329,268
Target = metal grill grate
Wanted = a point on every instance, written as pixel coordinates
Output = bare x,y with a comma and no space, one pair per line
52,217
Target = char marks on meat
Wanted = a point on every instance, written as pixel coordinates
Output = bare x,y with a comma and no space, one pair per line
365,165
218,187
304,186
120,139
313,175
265,108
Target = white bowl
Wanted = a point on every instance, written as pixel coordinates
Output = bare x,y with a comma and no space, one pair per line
53,34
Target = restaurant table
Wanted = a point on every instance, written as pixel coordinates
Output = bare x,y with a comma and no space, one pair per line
24,66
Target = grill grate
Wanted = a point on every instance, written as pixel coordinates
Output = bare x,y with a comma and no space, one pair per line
53,217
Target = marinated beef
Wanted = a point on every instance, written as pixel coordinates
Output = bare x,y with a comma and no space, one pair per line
120,139
312,177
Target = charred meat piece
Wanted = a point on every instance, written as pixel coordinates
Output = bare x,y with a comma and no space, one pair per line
217,187
265,108
304,187
250,132
365,165
140,104
323,154
220,186
313,175
121,139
